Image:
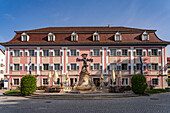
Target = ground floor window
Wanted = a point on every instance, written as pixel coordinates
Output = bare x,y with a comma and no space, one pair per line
73,81
16,81
155,81
125,81
58,82
45,81
113,83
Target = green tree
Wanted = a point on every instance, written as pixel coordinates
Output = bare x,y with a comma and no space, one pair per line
28,85
139,83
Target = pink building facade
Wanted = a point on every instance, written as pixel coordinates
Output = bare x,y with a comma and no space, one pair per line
109,48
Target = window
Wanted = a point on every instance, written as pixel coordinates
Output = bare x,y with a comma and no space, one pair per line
117,36
155,81
46,66
25,38
46,52
96,66
16,52
113,66
57,52
16,67
56,66
96,52
113,83
33,67
95,36
73,66
1,65
74,37
51,37
125,81
124,52
124,66
154,66
16,81
154,52
137,66
2,72
113,52
45,81
139,52
73,52
58,82
31,53
145,36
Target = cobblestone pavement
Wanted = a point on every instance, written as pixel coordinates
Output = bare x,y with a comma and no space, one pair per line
158,103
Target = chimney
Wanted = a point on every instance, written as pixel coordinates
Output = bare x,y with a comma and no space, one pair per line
109,25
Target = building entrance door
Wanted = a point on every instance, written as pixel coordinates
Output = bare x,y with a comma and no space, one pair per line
96,81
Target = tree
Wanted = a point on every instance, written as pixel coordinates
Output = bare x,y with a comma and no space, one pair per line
139,83
28,85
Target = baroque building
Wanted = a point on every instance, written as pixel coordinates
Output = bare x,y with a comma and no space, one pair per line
108,48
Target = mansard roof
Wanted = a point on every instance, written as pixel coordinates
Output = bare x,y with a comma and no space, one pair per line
85,34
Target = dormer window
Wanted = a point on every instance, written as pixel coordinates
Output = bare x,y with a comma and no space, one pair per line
117,36
95,36
51,37
24,37
145,36
74,37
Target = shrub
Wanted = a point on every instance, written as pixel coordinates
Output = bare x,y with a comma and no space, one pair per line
28,85
138,84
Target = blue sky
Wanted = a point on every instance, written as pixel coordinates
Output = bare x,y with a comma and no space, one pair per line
30,14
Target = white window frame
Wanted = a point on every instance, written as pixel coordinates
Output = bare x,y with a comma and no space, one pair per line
94,52
49,37
43,83
23,35
96,36
13,81
152,82
122,81
118,34
74,36
145,34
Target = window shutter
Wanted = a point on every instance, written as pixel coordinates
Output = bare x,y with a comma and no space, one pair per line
41,67
101,52
144,52
129,52
149,66
68,53
91,67
21,51
35,67
135,68
101,66
159,52
129,67
51,52
134,52
108,52
61,66
78,66
20,67
26,67
91,52
149,52
41,53
159,66
144,67
11,67
11,52
35,52
77,52
61,52
26,52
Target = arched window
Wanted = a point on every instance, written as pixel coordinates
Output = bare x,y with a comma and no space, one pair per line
74,37
145,36
24,37
51,37
96,36
118,36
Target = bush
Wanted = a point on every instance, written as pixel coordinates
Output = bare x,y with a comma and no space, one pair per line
138,84
28,85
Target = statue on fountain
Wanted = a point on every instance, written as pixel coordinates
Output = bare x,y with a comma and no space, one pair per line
84,80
